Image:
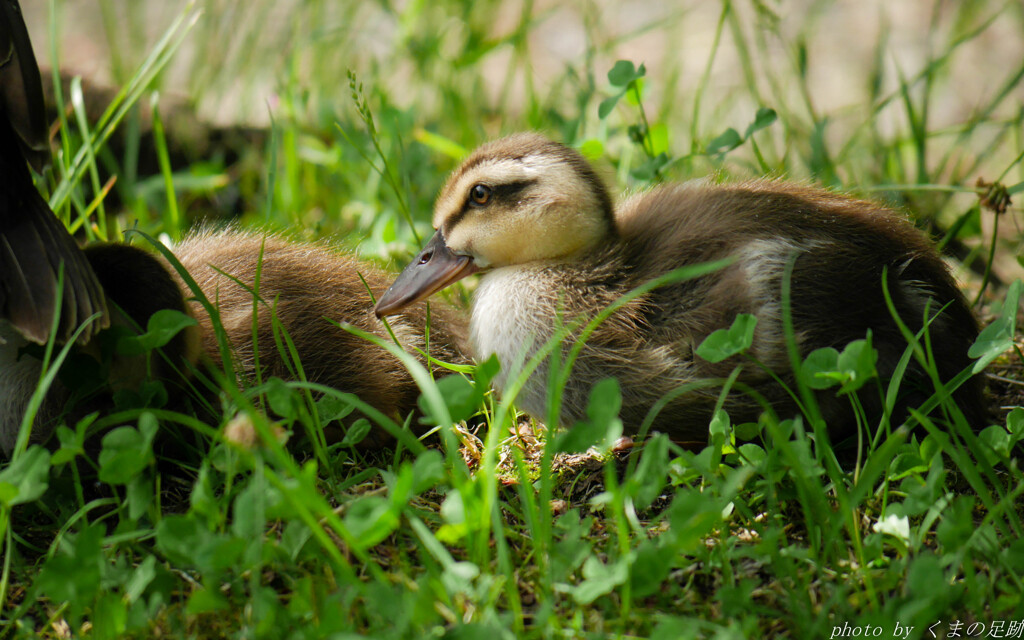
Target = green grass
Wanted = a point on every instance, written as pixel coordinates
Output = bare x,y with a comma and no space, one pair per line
483,535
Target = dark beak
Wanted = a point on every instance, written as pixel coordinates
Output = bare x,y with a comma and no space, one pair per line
431,270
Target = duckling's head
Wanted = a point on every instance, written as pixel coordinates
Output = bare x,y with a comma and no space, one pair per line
517,200
521,199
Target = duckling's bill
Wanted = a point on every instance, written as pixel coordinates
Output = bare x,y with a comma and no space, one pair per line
431,270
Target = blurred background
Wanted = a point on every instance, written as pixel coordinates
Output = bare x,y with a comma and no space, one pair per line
909,102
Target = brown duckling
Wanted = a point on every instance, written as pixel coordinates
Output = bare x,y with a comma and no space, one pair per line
536,219
304,286
136,285
309,288
34,245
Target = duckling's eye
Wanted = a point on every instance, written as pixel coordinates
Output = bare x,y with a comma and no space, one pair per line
480,194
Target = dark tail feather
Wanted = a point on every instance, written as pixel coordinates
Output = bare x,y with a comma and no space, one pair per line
32,250
21,88
33,243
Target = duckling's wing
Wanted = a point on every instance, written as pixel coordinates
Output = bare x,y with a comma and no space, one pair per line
33,243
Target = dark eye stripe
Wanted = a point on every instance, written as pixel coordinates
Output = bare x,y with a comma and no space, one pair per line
511,190
499,193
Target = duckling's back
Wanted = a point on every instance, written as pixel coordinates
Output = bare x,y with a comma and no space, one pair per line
839,250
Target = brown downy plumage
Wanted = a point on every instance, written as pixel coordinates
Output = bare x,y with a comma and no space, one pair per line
304,286
535,217
34,245
136,285
309,288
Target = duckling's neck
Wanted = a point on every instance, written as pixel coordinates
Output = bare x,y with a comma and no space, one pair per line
506,322
515,312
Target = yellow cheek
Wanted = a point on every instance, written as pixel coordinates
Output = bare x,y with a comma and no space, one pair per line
497,244
509,249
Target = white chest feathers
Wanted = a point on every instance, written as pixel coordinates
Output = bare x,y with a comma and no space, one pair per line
512,318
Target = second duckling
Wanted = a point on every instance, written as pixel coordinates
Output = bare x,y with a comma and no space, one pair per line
536,219
308,288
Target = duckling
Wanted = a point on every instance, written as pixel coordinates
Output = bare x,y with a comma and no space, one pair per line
308,289
303,286
535,219
136,285
34,245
